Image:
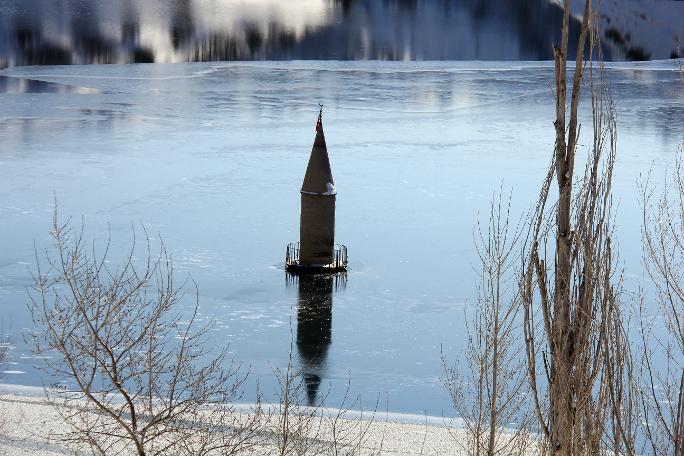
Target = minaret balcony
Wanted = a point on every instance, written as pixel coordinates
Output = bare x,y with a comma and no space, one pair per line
338,263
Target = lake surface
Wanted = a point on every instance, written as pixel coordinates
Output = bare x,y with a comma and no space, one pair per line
212,156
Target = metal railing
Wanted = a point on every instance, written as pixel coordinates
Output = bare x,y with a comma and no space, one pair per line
340,256
339,259
292,253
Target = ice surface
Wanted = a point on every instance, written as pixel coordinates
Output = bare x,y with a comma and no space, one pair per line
419,149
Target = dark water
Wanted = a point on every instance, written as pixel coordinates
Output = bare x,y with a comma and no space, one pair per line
36,32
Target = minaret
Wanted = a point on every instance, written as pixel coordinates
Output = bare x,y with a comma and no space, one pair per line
317,222
316,251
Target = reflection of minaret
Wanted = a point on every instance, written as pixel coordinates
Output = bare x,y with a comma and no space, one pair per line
314,328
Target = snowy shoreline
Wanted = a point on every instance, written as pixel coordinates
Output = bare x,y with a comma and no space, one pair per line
36,393
29,420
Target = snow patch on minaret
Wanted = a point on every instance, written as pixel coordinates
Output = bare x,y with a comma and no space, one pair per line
330,189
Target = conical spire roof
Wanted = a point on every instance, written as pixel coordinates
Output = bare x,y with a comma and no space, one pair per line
318,177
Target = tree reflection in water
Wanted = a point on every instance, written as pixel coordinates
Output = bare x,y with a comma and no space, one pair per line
33,32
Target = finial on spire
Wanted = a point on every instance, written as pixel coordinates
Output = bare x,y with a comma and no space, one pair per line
319,123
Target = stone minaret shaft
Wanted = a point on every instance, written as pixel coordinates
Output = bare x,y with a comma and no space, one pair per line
317,222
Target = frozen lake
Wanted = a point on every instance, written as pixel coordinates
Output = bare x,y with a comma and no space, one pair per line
212,156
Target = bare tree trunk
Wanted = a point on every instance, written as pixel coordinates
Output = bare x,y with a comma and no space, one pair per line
577,297
563,349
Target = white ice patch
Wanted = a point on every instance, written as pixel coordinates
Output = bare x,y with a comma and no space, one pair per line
330,189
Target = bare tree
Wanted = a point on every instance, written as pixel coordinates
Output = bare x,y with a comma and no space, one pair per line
620,378
5,346
663,356
352,436
570,274
144,383
295,429
491,396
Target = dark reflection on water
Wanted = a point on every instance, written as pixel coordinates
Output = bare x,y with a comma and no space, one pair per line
97,31
314,326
